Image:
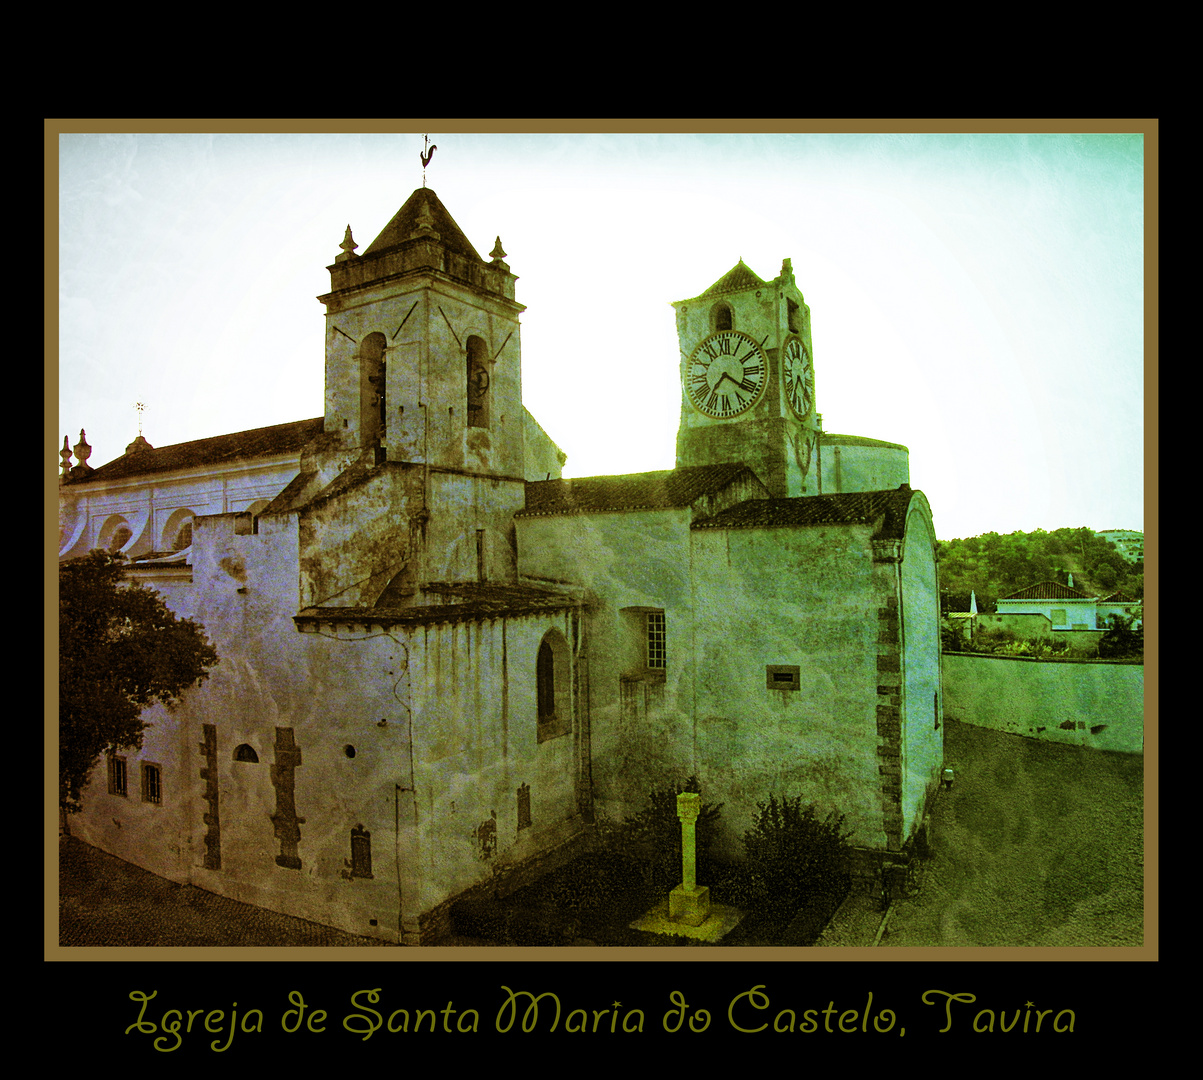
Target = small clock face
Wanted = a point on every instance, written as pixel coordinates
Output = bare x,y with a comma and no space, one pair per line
725,375
799,376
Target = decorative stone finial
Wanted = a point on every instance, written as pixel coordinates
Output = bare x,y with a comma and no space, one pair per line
497,255
65,454
82,450
348,245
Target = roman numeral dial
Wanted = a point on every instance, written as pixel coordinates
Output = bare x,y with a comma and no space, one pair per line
799,375
725,374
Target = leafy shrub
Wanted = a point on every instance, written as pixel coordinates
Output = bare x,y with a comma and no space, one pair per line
792,855
653,836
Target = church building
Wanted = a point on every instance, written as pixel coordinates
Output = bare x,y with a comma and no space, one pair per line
441,662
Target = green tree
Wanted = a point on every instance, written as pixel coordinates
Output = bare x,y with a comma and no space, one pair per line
1122,641
120,650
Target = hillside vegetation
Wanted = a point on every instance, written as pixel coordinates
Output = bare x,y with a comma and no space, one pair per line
994,565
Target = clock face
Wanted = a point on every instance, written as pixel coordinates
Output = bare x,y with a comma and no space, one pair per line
799,376
725,375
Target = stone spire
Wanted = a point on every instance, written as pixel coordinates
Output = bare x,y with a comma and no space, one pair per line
65,465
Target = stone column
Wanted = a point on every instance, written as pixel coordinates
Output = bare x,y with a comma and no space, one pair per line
689,902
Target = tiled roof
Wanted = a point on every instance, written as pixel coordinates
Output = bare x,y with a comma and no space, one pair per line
633,491
218,450
827,439
1047,590
1119,597
405,224
457,602
887,509
737,279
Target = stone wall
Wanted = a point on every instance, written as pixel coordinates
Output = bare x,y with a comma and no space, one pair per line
1097,704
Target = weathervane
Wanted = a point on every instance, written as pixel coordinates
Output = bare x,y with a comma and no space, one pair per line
426,155
139,406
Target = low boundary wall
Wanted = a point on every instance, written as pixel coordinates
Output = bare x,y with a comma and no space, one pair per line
1098,704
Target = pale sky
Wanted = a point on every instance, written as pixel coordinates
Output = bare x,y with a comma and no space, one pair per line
978,298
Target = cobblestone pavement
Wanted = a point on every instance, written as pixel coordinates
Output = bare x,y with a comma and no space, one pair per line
105,901
1037,844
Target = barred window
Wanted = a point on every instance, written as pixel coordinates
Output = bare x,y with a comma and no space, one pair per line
657,639
116,775
152,783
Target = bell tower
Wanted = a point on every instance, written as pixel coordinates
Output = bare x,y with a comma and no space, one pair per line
422,347
747,379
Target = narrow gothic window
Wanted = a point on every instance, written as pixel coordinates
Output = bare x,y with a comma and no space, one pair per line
552,693
361,852
795,323
545,676
722,318
657,640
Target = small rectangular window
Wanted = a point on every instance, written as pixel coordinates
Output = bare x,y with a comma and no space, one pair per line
657,641
783,677
116,775
152,783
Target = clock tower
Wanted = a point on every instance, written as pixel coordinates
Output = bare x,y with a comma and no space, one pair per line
747,380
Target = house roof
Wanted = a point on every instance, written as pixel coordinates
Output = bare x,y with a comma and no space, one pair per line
633,491
1047,590
1119,597
886,509
218,450
405,224
468,601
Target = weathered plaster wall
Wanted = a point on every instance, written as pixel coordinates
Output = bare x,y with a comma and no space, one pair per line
818,741
852,463
632,561
1095,704
476,745
149,507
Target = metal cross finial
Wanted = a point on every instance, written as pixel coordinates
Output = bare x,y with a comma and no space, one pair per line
426,155
139,406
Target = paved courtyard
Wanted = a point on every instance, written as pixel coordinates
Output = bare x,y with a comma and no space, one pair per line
1036,844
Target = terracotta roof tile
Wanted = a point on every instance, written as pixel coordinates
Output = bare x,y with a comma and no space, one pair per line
633,491
886,508
456,602
405,222
737,279
220,449
1047,590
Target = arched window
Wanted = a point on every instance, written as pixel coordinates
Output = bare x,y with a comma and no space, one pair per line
374,415
721,316
177,531
553,707
115,534
478,382
246,752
